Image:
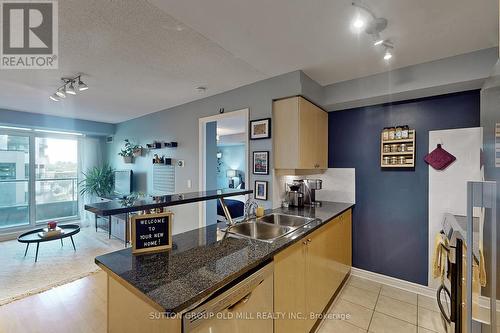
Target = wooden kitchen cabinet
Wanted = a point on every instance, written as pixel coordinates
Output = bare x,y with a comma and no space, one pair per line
308,273
300,136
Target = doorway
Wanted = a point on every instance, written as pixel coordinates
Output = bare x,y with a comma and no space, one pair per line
223,156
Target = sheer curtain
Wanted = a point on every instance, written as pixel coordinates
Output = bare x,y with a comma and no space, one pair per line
91,154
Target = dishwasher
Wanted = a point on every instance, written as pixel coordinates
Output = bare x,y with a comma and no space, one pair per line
244,307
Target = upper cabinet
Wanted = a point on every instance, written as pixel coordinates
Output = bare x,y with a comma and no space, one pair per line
300,136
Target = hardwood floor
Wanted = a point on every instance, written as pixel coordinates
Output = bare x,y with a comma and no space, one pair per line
79,306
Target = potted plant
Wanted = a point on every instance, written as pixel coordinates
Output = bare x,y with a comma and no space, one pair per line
97,181
129,151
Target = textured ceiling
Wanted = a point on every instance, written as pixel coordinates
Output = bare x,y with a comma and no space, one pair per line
144,56
284,35
135,60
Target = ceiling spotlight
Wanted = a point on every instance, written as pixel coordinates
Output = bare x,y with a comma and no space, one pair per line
378,42
54,98
70,89
201,89
388,54
358,23
60,93
82,86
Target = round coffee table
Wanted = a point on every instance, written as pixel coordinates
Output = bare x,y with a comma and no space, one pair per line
32,237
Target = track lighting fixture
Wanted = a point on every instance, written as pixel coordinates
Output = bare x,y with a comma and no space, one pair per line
373,26
68,88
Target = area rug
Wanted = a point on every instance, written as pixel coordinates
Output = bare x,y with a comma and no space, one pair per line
20,276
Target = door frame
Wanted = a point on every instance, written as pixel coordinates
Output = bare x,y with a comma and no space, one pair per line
202,152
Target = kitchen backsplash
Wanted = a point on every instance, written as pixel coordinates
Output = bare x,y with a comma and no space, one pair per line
338,185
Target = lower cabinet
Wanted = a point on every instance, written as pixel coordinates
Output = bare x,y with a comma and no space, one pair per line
308,273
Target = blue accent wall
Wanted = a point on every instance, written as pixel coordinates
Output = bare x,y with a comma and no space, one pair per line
211,169
233,158
390,219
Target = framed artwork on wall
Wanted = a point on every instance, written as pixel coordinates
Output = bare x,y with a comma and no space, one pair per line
260,190
260,129
260,162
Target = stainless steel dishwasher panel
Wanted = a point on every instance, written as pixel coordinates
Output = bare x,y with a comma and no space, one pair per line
246,307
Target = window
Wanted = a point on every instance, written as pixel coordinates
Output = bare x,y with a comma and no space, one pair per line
38,178
56,170
14,180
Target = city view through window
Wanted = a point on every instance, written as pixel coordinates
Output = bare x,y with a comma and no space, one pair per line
54,180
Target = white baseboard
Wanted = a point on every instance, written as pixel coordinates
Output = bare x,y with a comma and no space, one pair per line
393,282
484,302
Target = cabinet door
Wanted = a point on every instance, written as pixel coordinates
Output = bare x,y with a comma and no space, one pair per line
321,139
307,135
285,133
320,274
290,289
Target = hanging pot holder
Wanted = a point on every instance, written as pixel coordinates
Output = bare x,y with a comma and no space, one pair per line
439,158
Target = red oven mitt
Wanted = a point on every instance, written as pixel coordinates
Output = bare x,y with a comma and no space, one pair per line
439,158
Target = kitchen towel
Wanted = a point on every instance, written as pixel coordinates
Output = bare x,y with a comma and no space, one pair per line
439,158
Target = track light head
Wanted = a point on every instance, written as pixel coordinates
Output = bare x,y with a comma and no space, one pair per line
60,92
70,89
388,54
82,86
54,98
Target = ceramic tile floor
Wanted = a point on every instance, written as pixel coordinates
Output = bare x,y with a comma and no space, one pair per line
376,308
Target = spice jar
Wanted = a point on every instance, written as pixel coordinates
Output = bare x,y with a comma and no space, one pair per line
399,129
402,148
392,133
405,132
402,160
386,160
385,134
387,148
394,148
394,160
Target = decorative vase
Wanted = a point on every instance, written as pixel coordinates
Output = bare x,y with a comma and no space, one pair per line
128,159
138,152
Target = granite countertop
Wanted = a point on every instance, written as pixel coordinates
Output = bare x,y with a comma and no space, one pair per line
138,202
203,260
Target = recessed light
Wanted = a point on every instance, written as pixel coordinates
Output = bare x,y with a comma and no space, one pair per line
201,89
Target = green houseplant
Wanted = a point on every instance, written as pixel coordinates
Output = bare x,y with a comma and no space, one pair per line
98,181
129,151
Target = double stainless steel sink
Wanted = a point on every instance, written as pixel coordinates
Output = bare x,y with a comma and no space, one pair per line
269,227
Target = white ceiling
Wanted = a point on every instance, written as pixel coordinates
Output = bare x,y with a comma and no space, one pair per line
137,62
284,35
231,125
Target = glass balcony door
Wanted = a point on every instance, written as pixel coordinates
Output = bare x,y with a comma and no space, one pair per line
56,178
14,180
38,178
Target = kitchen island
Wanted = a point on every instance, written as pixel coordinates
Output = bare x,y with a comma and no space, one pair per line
151,291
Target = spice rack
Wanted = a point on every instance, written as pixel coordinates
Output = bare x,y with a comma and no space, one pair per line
399,152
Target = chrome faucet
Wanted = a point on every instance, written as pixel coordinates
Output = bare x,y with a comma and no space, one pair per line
250,208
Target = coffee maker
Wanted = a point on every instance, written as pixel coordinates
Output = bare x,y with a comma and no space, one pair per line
310,186
294,193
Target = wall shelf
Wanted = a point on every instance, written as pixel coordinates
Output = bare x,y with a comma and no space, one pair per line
392,159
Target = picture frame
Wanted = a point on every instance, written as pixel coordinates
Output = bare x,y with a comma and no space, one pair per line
260,162
260,190
260,129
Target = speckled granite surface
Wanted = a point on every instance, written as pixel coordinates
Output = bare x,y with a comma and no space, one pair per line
203,260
